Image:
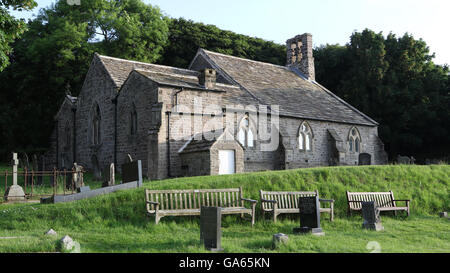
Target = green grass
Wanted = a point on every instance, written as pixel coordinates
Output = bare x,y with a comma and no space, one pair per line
117,222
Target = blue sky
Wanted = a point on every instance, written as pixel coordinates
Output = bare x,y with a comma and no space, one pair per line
329,21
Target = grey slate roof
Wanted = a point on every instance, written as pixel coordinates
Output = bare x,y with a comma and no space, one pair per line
256,83
198,143
119,69
279,85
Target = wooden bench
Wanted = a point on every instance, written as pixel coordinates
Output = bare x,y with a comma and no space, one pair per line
162,203
278,202
385,201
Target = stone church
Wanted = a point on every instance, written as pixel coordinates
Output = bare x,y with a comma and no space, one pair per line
127,107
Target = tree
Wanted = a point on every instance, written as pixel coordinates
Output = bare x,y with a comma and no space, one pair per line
394,81
11,28
186,37
56,52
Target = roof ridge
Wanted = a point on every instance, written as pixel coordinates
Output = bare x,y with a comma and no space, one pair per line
244,59
143,63
168,74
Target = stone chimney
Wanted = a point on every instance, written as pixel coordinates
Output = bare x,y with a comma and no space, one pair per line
300,54
208,78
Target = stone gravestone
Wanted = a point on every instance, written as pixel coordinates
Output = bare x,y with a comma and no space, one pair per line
77,176
365,159
109,178
403,160
132,172
210,228
15,192
371,216
309,209
128,159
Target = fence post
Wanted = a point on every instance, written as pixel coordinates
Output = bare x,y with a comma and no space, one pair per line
55,181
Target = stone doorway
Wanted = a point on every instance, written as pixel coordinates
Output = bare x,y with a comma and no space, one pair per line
365,159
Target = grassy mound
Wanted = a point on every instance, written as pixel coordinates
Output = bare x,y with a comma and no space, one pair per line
119,218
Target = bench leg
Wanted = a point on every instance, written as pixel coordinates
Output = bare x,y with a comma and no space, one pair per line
332,212
253,214
157,218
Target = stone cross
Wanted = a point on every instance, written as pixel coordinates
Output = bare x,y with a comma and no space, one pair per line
210,228
15,192
309,208
371,216
15,165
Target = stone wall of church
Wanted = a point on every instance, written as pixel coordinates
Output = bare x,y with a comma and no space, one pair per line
98,89
138,95
183,126
321,153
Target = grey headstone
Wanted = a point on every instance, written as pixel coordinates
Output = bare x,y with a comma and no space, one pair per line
210,228
67,244
279,238
109,178
371,216
128,159
51,232
309,208
132,172
404,160
77,177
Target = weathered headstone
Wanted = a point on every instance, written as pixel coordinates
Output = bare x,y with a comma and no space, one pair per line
51,232
371,216
309,208
15,192
128,159
67,244
132,172
210,228
405,160
109,178
77,176
279,238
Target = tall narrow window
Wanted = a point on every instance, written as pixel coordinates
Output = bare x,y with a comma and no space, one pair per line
354,140
245,135
133,121
96,119
305,137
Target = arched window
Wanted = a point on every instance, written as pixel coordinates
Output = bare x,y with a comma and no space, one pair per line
133,121
354,140
96,122
305,137
245,135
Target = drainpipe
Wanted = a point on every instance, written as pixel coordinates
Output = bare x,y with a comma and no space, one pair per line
74,145
57,144
168,144
114,101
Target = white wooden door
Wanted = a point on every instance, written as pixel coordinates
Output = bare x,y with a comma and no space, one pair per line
226,162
